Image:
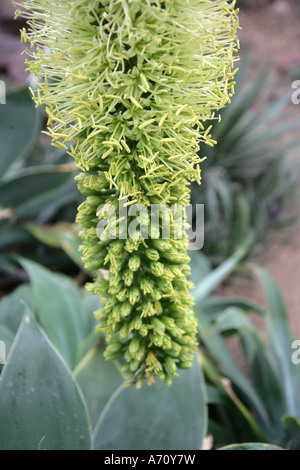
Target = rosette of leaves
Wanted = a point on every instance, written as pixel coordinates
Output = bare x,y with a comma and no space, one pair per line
249,181
129,84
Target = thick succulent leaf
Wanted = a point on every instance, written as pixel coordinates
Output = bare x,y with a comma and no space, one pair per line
59,309
234,318
156,417
6,337
214,305
268,384
219,352
29,191
89,304
39,399
232,410
60,235
251,446
291,426
2,352
200,266
213,279
20,124
281,340
98,380
12,236
12,311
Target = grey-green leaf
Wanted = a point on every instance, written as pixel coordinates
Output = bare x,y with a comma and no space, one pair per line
2,352
39,398
214,278
59,309
60,235
31,190
219,351
20,124
251,446
281,340
98,380
234,318
291,427
12,311
156,417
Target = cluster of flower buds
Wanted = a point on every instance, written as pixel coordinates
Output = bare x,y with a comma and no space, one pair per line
129,87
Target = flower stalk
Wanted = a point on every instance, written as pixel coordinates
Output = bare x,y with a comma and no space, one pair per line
128,86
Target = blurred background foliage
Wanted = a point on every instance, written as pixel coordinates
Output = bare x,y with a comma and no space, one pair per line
248,184
36,188
249,394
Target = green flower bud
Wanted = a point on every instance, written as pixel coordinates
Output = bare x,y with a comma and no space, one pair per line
148,309
157,269
171,365
134,263
184,365
124,331
134,295
134,346
175,349
136,323
122,295
161,376
125,309
143,331
113,351
161,245
168,381
158,307
128,277
152,254
156,339
146,286
175,257
158,326
134,365
139,383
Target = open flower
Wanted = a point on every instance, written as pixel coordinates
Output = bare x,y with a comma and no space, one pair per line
128,86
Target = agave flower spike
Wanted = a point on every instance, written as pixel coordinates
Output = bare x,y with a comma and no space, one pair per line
128,86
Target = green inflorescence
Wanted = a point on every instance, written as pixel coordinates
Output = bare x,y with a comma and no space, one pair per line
128,86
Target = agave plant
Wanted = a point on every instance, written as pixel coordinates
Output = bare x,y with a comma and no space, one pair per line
248,182
255,398
129,86
63,395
